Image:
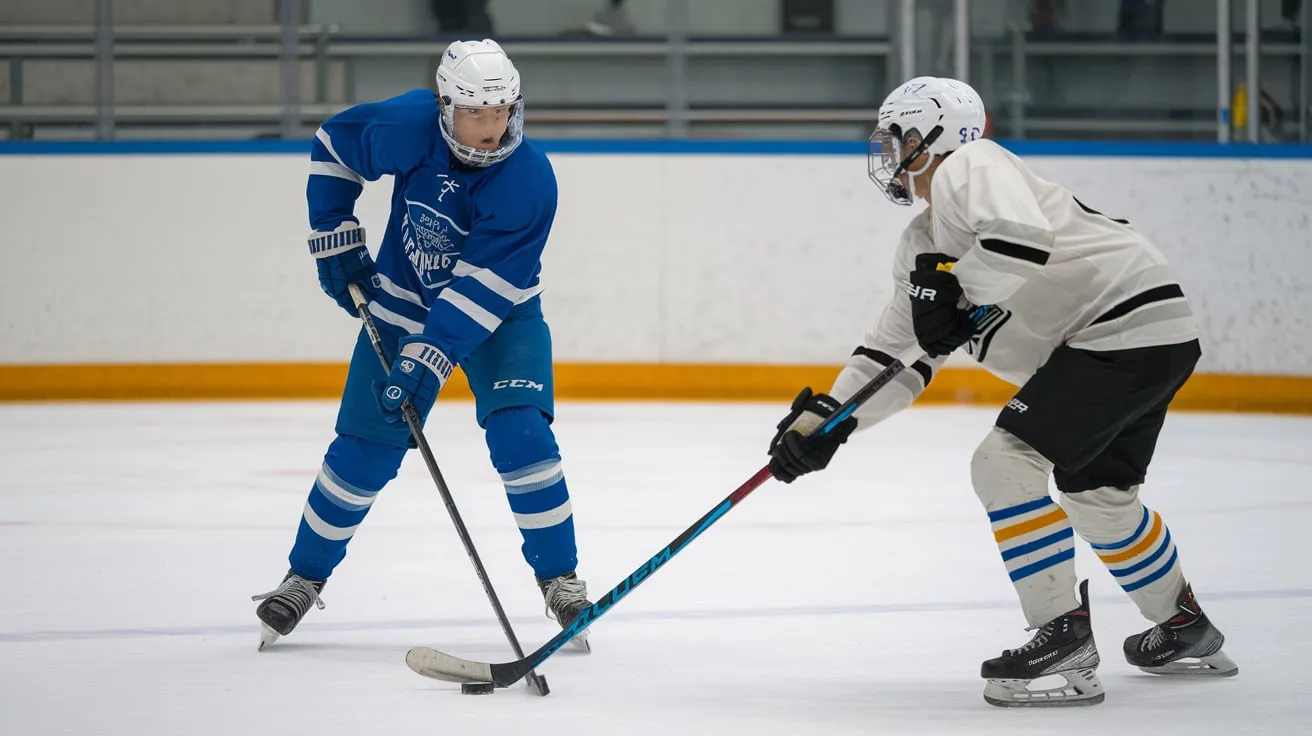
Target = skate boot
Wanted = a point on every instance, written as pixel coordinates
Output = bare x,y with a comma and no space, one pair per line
1064,646
567,597
1188,635
284,607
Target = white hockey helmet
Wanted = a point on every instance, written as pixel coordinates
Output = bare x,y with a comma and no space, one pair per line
941,114
479,74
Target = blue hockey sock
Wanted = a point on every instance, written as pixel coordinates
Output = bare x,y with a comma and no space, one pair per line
354,470
524,452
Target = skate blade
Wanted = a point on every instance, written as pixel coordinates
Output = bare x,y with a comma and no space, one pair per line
1082,688
267,637
1213,665
580,642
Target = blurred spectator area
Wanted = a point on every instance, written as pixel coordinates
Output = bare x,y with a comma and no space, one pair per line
809,69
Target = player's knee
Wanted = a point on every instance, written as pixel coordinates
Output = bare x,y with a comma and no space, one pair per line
1003,465
364,463
519,436
1105,512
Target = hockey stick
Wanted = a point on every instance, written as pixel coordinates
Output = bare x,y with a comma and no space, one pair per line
535,681
441,666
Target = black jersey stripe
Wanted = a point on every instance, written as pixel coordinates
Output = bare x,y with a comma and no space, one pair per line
1015,250
1155,294
1092,211
879,356
884,360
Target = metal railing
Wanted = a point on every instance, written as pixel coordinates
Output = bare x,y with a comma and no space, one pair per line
292,42
324,43
1024,49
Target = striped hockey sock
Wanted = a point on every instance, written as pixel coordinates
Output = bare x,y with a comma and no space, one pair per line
1135,545
353,472
524,452
1037,546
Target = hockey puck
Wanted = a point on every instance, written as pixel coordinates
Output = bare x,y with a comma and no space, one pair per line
476,688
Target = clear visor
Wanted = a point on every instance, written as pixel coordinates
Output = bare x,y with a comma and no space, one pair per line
474,156
886,156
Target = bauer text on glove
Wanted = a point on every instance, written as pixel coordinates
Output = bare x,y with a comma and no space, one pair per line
940,324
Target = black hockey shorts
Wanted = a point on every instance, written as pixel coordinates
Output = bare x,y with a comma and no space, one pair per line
1096,415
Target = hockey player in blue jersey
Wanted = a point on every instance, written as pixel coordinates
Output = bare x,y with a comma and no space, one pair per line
455,283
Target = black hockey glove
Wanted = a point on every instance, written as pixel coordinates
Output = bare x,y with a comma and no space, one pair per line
794,451
940,325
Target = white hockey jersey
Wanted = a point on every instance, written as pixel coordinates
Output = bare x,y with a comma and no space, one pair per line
1053,270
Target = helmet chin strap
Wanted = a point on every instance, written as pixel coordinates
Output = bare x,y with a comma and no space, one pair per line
904,166
911,176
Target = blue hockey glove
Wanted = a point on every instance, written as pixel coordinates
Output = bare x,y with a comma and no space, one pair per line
418,373
343,259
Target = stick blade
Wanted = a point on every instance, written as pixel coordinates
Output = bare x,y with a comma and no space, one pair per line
442,666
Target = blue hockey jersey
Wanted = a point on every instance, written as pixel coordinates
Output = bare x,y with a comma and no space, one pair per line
463,245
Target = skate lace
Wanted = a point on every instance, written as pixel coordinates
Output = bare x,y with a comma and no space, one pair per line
565,594
299,591
1153,639
1040,638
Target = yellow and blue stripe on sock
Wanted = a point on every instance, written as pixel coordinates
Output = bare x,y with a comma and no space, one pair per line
1032,536
1143,557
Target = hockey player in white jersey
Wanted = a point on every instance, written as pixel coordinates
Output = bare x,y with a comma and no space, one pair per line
1086,317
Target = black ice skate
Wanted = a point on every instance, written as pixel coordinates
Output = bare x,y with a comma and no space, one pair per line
1064,646
566,597
285,606
1189,635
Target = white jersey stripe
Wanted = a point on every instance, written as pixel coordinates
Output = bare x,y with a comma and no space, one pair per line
409,325
328,168
399,292
484,318
327,141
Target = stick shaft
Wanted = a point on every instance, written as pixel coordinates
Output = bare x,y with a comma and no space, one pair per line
508,673
412,421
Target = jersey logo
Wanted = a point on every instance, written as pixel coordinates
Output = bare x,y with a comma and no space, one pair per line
986,327
448,186
431,241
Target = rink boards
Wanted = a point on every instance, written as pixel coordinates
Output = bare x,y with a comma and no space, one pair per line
675,270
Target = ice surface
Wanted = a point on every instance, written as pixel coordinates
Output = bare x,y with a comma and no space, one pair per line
861,600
